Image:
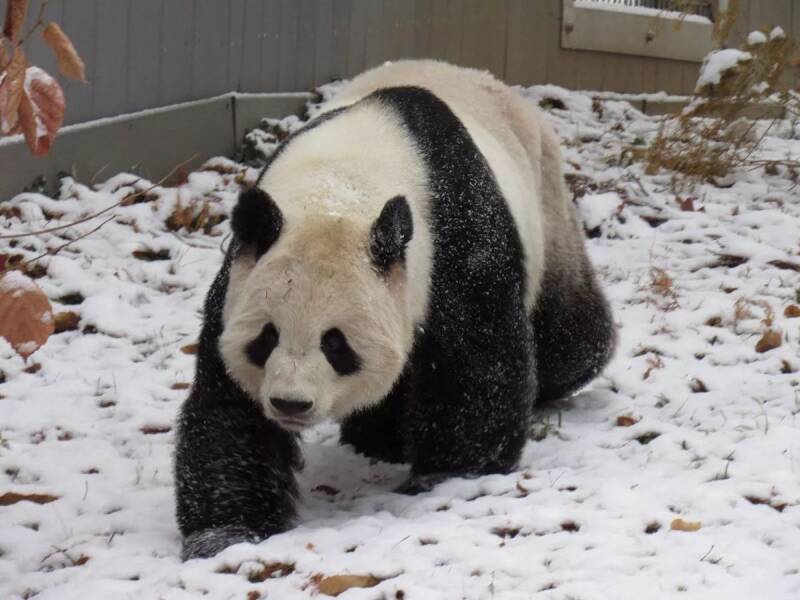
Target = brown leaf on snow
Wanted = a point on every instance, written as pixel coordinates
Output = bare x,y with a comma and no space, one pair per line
12,88
770,341
189,349
41,110
69,62
10,498
66,321
26,317
626,421
681,525
792,311
15,18
336,584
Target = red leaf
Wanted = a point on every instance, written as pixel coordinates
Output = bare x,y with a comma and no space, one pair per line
12,88
15,18
686,204
41,111
69,63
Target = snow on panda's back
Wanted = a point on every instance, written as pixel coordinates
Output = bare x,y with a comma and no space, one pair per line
504,127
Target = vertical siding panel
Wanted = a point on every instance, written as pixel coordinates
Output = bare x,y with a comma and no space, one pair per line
287,73
439,24
398,19
323,47
210,52
235,44
342,14
356,56
271,46
306,43
376,34
79,21
252,54
484,35
562,65
111,63
144,56
649,77
526,51
455,30
423,28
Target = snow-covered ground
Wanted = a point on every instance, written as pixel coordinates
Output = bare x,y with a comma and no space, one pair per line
674,475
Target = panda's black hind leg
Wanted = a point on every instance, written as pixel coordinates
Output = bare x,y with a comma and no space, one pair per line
378,431
574,332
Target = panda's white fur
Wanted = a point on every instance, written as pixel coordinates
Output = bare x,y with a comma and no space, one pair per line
330,185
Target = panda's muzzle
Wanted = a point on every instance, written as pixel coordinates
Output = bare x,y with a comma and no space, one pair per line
291,408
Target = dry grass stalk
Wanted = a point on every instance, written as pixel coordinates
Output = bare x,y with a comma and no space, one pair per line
716,132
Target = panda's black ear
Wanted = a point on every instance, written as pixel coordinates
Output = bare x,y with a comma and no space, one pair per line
256,220
391,233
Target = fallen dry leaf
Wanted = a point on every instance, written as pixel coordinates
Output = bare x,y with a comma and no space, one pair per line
26,317
681,525
66,321
770,341
336,584
792,311
69,62
626,421
189,349
10,498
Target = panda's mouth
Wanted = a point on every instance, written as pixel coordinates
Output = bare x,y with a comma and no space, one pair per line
293,424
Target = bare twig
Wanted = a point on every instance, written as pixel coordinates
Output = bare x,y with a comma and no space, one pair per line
55,251
103,211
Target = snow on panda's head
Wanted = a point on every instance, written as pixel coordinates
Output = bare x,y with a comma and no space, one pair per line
316,323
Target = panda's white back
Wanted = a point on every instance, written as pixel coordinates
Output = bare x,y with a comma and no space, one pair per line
503,126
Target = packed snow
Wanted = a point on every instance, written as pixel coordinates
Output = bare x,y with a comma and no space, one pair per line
673,475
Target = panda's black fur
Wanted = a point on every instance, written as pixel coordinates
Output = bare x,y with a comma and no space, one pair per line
462,403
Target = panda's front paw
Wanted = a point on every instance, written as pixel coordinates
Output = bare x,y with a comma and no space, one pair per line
208,542
418,484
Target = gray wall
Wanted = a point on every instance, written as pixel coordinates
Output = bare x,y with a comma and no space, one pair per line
147,53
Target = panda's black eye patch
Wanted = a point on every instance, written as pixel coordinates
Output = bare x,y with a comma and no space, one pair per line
339,353
259,349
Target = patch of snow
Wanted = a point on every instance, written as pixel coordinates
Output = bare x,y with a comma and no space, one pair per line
717,62
777,33
755,38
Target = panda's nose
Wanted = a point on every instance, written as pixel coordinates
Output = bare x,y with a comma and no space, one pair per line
291,407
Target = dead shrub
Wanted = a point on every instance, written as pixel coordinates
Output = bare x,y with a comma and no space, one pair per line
717,131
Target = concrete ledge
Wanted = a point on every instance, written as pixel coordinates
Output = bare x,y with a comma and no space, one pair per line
605,28
149,143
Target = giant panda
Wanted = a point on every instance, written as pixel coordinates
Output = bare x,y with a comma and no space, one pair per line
409,264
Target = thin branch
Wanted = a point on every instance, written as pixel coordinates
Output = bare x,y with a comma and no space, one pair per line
36,24
62,246
103,211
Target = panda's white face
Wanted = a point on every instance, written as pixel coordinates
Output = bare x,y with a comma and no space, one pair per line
311,329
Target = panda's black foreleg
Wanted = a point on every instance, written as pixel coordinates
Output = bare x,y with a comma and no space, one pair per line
379,431
471,410
233,472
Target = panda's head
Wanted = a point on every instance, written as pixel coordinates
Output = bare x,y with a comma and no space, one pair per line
316,321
